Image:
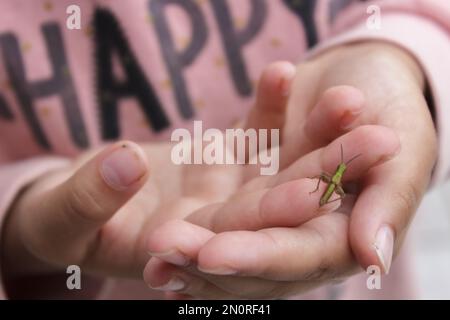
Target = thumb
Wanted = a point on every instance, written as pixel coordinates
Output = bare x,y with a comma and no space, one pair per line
386,206
65,220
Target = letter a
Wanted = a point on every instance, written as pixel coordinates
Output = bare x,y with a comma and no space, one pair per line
74,280
374,279
74,20
374,20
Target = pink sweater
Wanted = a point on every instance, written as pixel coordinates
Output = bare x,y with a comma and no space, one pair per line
154,65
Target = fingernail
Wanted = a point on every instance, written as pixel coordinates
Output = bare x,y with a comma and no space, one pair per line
174,284
384,247
173,257
348,119
122,167
224,271
390,156
289,72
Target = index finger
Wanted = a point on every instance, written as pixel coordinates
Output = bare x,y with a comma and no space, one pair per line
286,200
375,144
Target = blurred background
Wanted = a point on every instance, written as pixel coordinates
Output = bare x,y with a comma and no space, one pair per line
430,235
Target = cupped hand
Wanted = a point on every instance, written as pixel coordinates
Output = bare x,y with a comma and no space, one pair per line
214,258
367,83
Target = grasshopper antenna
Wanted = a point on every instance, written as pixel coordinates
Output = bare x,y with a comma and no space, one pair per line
342,154
358,155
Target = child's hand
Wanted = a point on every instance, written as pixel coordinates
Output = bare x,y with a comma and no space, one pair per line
272,261
392,85
99,212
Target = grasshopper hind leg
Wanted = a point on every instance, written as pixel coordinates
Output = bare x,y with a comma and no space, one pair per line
325,177
340,191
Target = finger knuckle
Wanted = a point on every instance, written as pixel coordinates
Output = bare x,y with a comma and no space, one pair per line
323,269
408,197
320,273
82,202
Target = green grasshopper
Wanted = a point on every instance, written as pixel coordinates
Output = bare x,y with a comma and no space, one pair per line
334,182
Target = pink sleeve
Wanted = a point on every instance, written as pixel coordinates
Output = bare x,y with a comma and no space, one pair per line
13,178
423,29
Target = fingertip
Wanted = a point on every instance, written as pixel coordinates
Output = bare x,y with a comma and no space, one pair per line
157,272
218,255
385,139
276,81
371,232
336,112
344,95
369,145
177,242
384,247
286,72
235,253
123,166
